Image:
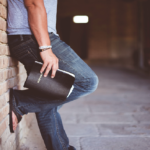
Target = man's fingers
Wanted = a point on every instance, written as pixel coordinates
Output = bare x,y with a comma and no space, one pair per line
43,67
53,64
47,70
54,69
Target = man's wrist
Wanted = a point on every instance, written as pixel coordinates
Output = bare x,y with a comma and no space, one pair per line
42,50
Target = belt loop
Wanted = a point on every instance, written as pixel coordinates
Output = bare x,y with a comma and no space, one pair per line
21,37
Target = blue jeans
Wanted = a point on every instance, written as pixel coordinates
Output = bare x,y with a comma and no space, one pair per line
25,49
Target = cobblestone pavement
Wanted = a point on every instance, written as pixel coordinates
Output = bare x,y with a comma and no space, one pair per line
115,117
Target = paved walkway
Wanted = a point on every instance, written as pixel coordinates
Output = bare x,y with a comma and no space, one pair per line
115,117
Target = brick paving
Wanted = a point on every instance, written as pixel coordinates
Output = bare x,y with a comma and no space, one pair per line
115,117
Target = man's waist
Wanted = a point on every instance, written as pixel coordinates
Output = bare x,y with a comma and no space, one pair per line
21,37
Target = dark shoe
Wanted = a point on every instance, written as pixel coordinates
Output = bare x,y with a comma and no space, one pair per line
71,148
12,108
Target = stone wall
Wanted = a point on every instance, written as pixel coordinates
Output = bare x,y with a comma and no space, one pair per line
12,75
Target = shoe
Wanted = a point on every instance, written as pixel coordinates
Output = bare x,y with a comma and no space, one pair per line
12,108
71,148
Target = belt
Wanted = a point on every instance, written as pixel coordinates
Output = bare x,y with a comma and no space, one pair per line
21,37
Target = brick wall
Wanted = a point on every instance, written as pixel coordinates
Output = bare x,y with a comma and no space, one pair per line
12,74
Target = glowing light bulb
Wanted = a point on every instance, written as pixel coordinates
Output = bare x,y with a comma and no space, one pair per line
81,19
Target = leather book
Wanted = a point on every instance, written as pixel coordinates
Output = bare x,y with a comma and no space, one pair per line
57,88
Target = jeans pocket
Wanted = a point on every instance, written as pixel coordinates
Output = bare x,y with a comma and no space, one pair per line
23,51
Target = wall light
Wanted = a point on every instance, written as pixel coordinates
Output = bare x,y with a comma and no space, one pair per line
81,19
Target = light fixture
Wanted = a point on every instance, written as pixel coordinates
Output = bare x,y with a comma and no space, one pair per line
81,19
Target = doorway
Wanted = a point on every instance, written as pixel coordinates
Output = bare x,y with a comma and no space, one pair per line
74,34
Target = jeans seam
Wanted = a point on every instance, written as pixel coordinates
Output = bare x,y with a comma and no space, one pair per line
16,107
73,69
32,53
57,129
23,106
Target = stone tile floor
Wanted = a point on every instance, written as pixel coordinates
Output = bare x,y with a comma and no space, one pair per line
115,117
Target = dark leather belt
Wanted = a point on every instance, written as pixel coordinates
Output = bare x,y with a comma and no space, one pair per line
21,37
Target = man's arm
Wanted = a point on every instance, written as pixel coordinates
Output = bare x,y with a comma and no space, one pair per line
38,22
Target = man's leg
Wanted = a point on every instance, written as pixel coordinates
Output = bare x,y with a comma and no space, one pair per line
86,82
48,117
50,122
52,130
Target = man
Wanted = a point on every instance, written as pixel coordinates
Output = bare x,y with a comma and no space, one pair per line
31,25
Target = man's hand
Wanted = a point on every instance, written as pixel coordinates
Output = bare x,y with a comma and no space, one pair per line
50,62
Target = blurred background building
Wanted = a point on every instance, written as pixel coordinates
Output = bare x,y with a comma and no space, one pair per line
118,31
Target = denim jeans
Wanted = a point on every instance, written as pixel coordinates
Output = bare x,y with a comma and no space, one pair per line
25,49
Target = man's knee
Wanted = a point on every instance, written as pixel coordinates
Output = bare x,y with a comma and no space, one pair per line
90,84
93,83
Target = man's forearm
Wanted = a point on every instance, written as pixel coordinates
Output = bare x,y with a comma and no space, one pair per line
38,22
